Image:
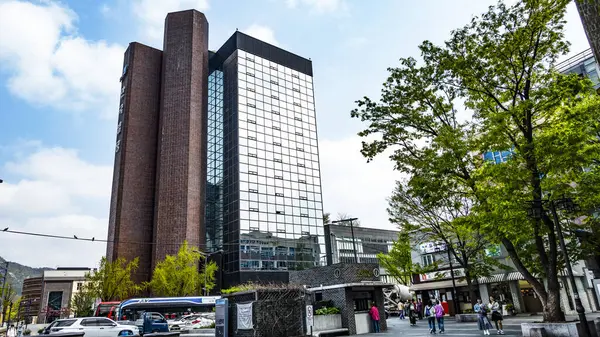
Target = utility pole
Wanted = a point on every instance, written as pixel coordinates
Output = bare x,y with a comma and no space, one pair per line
351,220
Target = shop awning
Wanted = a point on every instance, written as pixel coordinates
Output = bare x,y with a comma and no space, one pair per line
436,285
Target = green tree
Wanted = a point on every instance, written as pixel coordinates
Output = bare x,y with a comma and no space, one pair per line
398,262
326,218
177,275
112,281
500,69
447,220
208,276
83,301
10,302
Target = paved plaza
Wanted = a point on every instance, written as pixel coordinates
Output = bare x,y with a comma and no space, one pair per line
512,327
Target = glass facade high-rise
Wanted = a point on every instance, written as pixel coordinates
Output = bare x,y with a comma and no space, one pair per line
263,163
217,149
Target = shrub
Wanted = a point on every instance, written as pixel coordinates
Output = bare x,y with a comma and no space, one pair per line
327,311
27,332
40,331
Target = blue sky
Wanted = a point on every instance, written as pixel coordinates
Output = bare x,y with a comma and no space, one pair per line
59,81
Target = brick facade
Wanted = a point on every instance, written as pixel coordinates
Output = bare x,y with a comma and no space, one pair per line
180,183
132,201
589,11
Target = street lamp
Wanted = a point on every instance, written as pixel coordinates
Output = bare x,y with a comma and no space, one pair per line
454,298
351,220
206,256
537,211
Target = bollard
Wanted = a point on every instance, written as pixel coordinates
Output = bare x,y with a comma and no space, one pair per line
538,332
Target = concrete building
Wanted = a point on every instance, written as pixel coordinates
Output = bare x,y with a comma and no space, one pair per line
31,298
589,11
369,242
583,64
58,288
214,146
507,286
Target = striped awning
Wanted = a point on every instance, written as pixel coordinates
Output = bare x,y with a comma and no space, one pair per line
515,276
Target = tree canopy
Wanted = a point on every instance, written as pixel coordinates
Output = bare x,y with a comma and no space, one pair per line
398,262
178,275
492,87
82,301
112,281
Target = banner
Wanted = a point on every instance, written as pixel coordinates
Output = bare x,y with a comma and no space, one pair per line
244,316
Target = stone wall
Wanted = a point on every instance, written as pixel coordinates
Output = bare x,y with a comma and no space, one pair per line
589,11
335,274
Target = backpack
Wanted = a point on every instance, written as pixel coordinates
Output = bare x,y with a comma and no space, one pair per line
427,311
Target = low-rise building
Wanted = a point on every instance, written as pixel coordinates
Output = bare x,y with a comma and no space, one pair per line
508,286
31,297
58,289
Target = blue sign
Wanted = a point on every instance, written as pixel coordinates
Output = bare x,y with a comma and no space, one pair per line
222,317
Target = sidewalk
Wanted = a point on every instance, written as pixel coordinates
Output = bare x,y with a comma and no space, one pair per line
512,326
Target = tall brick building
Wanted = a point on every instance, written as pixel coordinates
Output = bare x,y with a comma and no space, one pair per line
589,11
218,149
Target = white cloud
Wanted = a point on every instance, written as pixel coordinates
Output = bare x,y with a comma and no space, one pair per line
262,33
320,6
49,64
53,191
104,9
151,15
353,186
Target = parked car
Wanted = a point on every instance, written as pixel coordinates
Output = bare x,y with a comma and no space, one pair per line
178,324
201,321
94,327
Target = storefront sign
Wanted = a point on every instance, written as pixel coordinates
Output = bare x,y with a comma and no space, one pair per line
432,247
441,275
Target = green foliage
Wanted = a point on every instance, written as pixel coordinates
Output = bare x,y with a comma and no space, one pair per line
27,332
499,69
398,261
112,281
40,331
326,218
177,275
83,301
239,288
10,302
327,311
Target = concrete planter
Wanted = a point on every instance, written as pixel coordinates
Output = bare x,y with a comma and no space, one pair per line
566,329
460,318
327,322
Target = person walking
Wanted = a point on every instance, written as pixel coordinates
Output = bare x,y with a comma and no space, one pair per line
420,309
430,315
401,309
412,313
482,319
439,316
374,313
496,315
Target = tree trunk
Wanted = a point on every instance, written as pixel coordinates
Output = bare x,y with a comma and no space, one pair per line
552,310
471,287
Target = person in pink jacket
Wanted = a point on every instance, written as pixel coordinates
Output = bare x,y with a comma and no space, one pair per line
374,313
439,316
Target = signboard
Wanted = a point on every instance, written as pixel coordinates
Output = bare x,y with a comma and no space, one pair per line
442,275
221,317
432,247
244,316
310,318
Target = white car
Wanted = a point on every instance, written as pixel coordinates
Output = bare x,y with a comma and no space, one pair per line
178,324
95,327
